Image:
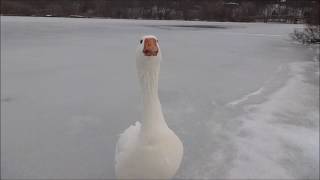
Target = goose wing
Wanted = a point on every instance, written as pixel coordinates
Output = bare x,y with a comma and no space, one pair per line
127,141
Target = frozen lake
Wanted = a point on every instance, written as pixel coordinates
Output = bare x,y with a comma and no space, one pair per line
242,97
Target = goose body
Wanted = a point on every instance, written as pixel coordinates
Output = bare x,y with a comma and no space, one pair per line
150,149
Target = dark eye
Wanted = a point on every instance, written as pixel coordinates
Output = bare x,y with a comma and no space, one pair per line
141,41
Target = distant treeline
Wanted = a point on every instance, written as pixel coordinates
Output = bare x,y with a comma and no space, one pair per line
290,11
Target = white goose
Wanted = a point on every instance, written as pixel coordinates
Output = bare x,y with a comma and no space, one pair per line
150,150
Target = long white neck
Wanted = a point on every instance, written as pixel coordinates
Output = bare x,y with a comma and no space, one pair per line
148,74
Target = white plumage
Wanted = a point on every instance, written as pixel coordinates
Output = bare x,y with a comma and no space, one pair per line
150,150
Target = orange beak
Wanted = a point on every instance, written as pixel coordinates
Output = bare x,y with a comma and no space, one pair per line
150,47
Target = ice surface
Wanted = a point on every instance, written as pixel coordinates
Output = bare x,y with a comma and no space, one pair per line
242,97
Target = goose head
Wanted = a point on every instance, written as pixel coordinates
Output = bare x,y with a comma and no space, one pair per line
148,48
148,57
